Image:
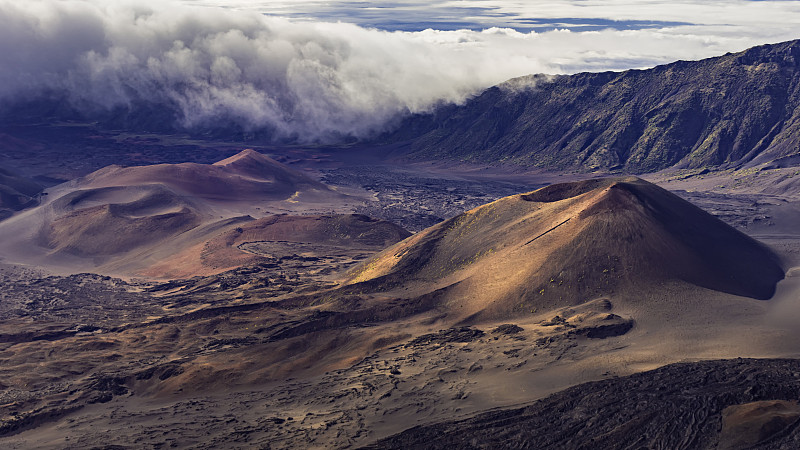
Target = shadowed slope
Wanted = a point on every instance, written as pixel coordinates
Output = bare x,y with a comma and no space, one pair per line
568,243
16,193
734,109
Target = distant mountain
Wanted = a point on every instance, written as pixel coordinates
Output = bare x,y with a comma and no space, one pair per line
16,193
569,243
728,111
247,176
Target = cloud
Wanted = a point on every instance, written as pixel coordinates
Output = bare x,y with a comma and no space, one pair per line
308,81
738,17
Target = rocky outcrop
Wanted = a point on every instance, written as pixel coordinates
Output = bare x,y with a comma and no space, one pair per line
679,406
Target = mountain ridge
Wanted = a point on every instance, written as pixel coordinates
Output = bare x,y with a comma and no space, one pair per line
728,111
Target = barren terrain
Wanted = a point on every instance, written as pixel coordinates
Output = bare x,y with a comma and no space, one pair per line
200,318
265,347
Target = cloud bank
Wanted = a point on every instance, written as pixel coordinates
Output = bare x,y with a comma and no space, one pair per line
732,17
305,81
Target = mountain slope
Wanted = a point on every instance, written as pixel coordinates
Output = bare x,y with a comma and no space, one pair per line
16,193
569,243
114,228
726,111
246,176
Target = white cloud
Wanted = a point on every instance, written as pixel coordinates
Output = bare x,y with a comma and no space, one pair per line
745,17
314,80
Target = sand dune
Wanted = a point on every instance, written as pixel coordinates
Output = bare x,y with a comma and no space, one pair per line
568,243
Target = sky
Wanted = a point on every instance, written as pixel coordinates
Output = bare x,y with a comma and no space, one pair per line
742,17
565,36
318,71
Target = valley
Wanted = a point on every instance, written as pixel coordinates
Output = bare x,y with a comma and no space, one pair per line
278,353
